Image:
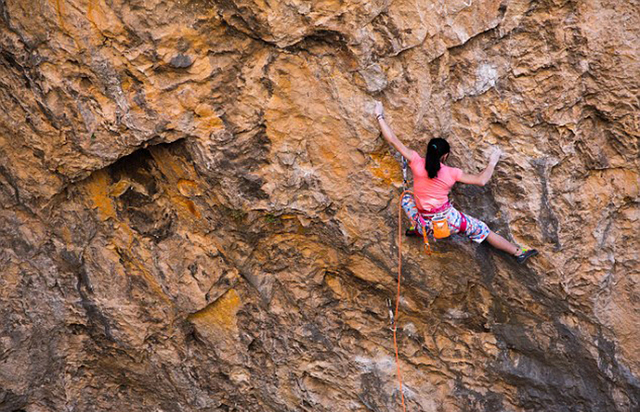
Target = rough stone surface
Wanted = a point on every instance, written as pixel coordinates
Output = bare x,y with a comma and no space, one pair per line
197,211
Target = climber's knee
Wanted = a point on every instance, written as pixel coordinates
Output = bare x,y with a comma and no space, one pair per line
477,230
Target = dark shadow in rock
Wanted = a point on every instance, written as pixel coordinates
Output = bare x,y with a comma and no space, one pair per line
488,267
479,202
547,218
235,158
554,378
10,182
98,324
137,179
471,400
181,61
371,391
136,166
10,401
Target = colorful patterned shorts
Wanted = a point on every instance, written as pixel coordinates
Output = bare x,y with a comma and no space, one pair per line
476,229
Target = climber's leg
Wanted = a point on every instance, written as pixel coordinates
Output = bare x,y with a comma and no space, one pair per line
478,231
410,209
503,244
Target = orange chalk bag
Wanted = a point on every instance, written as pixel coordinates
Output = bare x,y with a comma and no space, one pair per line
440,227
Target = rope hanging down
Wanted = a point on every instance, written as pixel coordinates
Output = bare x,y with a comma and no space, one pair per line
394,317
394,325
427,248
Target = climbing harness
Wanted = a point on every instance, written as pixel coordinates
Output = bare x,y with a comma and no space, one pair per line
441,224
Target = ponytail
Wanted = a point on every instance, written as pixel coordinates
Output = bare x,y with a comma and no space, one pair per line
437,148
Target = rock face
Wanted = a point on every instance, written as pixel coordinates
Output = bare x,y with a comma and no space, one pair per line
197,211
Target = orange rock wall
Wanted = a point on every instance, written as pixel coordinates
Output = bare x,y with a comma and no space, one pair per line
197,211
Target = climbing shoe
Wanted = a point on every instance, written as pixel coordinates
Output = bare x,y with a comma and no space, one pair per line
412,231
526,254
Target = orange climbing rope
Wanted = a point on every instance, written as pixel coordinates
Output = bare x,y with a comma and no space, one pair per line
427,249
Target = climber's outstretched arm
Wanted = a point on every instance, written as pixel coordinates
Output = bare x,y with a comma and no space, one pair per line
481,179
388,134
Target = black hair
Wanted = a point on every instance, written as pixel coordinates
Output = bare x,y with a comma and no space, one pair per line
437,148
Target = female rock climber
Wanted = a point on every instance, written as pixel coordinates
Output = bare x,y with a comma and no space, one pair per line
432,181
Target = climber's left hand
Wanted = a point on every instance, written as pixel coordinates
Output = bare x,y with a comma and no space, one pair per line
495,156
378,109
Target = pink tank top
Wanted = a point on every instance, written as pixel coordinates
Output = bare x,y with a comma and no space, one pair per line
431,193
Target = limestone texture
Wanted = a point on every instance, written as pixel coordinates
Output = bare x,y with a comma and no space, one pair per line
198,212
